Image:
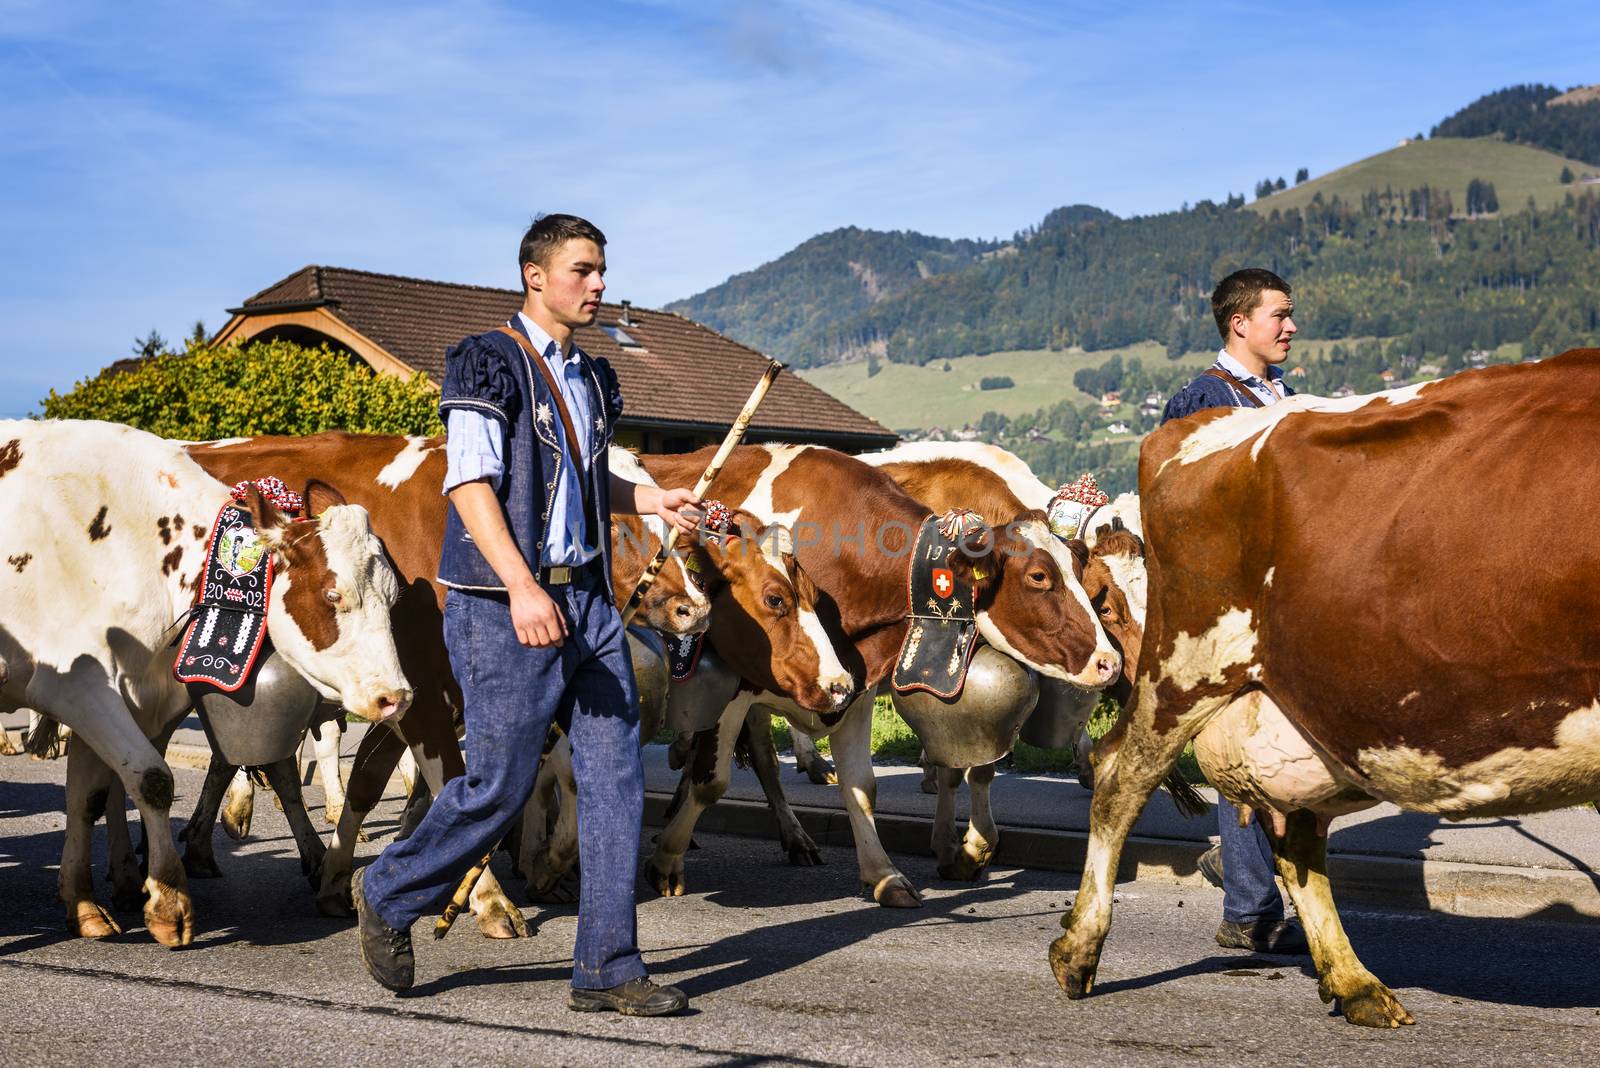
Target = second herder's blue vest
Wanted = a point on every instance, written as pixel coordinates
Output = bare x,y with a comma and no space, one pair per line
491,374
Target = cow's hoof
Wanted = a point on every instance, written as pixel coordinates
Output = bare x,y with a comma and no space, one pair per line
1075,977
1374,1006
331,814
87,919
803,853
562,890
821,772
667,878
311,866
169,914
336,904
236,821
199,865
896,892
930,782
502,919
968,865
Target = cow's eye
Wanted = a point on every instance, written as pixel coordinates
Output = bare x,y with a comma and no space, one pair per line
774,602
333,596
1106,611
1038,577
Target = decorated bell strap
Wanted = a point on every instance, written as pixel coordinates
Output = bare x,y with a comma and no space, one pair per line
683,654
273,490
1073,505
229,622
942,628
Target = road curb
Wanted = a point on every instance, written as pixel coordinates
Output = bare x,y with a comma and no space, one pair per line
1484,890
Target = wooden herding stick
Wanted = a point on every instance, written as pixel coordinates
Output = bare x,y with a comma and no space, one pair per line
736,433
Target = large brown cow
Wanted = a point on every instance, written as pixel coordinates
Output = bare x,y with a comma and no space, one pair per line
1330,621
853,523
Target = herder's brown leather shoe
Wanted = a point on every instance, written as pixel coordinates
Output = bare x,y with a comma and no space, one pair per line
636,997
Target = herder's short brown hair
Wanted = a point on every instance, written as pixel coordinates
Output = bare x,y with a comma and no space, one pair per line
1240,294
550,232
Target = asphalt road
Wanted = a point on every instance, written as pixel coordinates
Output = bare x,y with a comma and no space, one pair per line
784,965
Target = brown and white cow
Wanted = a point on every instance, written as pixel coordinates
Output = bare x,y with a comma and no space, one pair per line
400,481
106,536
1002,488
1330,622
853,528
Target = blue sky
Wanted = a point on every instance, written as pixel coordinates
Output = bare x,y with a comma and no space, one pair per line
163,161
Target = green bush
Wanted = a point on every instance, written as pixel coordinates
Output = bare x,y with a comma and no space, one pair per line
996,382
273,387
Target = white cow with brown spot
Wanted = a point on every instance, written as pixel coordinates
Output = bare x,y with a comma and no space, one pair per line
115,523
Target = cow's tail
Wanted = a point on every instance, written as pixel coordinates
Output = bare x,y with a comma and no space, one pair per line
1189,800
47,740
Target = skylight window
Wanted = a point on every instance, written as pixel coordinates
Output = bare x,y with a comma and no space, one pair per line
622,337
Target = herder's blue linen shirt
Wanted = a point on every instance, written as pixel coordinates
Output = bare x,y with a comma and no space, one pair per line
475,448
1264,392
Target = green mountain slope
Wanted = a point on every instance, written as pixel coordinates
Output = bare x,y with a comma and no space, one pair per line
1517,172
782,306
1567,124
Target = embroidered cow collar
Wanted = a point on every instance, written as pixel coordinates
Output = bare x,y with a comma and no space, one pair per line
228,625
943,627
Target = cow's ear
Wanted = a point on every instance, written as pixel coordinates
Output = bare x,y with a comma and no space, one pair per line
264,515
1080,556
976,563
320,497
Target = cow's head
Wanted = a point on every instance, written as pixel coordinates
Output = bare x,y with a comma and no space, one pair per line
1031,605
766,620
1117,583
677,602
332,592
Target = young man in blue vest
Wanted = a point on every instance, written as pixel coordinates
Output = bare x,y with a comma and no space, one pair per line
532,626
1253,309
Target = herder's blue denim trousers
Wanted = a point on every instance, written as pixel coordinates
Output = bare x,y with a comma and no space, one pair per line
511,695
1249,889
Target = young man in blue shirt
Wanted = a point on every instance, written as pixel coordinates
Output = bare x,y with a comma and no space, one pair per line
1254,313
531,624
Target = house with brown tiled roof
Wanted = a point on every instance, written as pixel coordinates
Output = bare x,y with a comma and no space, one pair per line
683,383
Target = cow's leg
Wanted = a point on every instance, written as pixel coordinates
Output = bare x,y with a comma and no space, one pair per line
709,770
946,783
284,775
817,768
325,740
418,797
375,759
851,743
792,836
122,862
1130,766
88,785
101,722
983,835
1302,856
549,853
239,805
199,857
930,773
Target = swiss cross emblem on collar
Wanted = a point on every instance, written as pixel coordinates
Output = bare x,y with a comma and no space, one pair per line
944,581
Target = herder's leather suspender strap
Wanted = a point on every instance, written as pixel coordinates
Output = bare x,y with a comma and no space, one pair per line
536,358
1239,387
